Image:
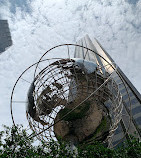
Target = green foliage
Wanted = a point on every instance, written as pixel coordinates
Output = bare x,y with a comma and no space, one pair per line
131,149
14,143
78,113
95,150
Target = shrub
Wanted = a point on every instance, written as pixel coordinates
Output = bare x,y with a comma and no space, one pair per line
15,143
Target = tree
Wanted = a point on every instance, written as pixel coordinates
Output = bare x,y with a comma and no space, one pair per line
15,143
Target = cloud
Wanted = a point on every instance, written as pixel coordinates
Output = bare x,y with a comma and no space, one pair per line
37,25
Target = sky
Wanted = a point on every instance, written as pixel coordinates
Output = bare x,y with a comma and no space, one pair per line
38,25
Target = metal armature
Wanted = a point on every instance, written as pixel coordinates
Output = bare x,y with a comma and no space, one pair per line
67,82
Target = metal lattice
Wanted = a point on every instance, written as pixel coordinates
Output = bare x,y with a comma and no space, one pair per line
63,83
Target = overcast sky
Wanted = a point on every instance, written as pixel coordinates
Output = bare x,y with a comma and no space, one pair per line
37,25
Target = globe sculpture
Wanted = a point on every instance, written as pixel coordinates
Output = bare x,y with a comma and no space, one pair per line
71,99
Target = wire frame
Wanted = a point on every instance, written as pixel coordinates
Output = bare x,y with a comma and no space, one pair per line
58,84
